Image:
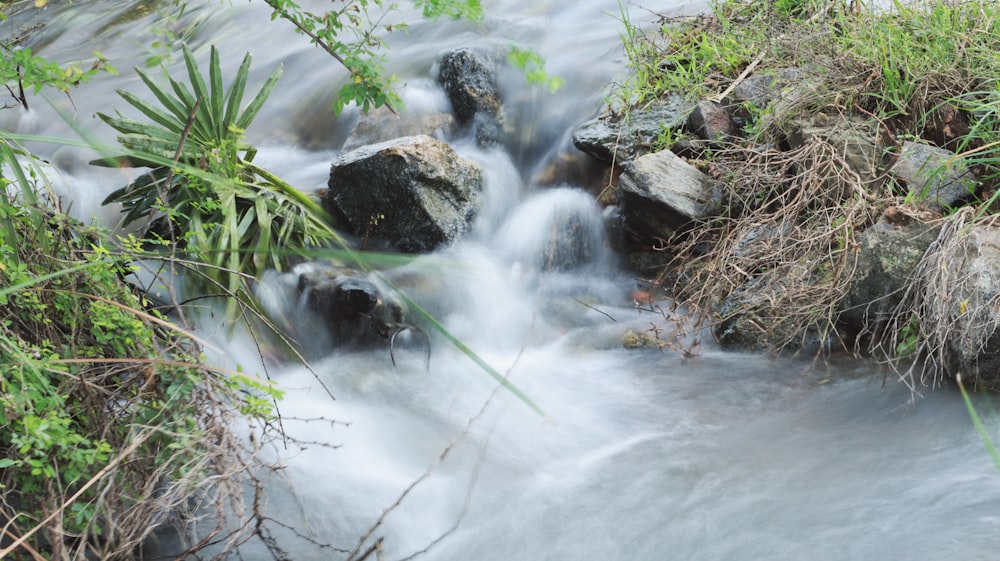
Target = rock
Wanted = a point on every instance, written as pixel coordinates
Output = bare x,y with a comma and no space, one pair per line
414,193
887,256
974,342
934,175
858,141
762,89
382,125
633,339
613,139
711,121
751,320
469,77
660,194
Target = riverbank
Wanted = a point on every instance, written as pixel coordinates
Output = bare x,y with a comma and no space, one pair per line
836,157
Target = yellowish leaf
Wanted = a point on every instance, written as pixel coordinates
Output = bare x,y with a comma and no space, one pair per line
40,3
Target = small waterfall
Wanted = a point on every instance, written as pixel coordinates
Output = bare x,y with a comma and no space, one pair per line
641,454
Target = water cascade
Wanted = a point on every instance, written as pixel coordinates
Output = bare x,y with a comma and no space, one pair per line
641,454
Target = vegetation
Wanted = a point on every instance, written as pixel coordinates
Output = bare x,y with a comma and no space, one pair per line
110,420
862,78
203,192
113,425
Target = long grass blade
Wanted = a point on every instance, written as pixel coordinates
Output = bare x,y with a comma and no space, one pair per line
991,449
465,349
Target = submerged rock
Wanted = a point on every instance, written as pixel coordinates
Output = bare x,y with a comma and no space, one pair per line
383,125
412,194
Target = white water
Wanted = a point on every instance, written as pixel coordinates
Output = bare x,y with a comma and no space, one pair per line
642,455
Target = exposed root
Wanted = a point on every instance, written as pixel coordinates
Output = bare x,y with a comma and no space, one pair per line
787,242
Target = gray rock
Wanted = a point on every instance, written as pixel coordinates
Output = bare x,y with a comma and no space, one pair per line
887,256
382,125
934,175
660,193
762,89
974,344
858,140
414,193
751,319
611,138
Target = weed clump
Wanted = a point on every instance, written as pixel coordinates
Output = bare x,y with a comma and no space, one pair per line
112,426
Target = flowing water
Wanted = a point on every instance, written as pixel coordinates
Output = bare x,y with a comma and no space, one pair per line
640,454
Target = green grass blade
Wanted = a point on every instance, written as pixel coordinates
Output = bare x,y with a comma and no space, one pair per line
991,449
465,349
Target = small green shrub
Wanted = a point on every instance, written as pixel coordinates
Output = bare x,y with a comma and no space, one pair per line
203,191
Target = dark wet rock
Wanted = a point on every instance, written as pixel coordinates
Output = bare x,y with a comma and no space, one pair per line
660,194
469,77
933,175
382,125
412,194
888,253
751,320
612,138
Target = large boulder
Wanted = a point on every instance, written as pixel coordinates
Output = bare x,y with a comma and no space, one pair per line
974,341
888,253
469,77
660,193
412,194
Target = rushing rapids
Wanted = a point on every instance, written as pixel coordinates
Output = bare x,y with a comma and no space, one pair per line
640,454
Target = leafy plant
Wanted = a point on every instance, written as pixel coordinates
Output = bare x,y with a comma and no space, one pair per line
203,190
110,422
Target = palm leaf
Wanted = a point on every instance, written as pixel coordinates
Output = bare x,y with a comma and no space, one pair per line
176,106
235,97
201,92
155,114
248,114
216,93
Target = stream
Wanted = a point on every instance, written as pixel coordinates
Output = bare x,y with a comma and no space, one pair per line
640,455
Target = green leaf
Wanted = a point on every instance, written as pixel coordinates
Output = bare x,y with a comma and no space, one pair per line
7,462
248,114
158,116
235,97
216,94
201,93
